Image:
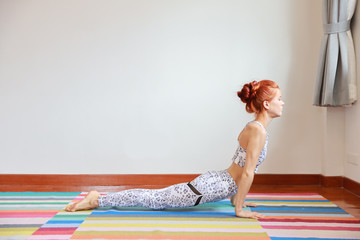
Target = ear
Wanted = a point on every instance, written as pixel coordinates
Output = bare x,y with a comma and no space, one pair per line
266,105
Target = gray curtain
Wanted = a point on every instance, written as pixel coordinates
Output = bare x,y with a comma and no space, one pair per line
336,78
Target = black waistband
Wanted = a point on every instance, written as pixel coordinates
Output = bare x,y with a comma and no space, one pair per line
196,192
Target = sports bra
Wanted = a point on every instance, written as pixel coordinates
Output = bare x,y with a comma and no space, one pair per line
240,153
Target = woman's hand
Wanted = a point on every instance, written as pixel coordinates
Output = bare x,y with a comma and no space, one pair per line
248,214
232,200
245,204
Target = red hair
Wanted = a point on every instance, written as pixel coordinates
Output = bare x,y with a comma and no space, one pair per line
255,93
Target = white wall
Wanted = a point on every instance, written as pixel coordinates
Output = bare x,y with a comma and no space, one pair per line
138,86
352,114
342,129
334,142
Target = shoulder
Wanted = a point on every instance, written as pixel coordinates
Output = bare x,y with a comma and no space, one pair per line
256,131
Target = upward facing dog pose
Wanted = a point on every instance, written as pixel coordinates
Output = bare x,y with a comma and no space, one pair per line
261,98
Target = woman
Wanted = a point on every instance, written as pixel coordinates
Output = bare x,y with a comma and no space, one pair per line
264,100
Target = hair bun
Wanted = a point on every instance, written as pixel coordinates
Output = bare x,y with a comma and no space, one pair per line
248,91
253,94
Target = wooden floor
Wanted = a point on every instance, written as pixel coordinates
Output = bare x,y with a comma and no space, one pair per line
339,196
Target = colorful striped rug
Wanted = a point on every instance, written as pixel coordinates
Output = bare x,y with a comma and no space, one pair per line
31,215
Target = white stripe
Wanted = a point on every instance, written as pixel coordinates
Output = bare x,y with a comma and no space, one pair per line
46,197
24,220
294,205
313,233
33,206
17,237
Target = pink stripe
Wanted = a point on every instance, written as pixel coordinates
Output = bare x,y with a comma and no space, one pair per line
150,229
312,228
54,231
285,194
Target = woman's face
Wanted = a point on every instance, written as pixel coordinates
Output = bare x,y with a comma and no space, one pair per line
275,106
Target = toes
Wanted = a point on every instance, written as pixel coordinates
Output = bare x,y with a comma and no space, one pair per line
73,207
70,207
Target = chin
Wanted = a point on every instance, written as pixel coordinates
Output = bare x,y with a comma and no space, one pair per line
278,115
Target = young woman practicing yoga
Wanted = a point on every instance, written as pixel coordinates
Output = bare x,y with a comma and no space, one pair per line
262,98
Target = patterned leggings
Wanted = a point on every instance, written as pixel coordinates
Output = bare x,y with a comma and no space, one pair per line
209,187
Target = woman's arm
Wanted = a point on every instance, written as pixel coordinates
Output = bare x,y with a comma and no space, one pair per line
255,142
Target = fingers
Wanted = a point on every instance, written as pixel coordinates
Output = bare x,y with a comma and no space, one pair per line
232,200
257,215
249,204
248,214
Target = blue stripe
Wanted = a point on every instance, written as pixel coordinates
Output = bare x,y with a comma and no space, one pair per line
63,222
60,225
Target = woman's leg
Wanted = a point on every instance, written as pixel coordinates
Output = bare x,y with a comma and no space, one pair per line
209,187
179,195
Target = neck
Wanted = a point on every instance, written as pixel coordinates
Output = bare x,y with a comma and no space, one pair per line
263,118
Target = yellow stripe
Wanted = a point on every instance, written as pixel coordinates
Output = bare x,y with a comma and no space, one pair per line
124,233
173,219
17,231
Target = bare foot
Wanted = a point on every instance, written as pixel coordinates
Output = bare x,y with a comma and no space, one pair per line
89,202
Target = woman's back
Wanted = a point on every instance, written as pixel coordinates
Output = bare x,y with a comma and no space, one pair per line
253,129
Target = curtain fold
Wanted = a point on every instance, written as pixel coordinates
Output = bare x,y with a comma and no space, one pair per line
336,77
